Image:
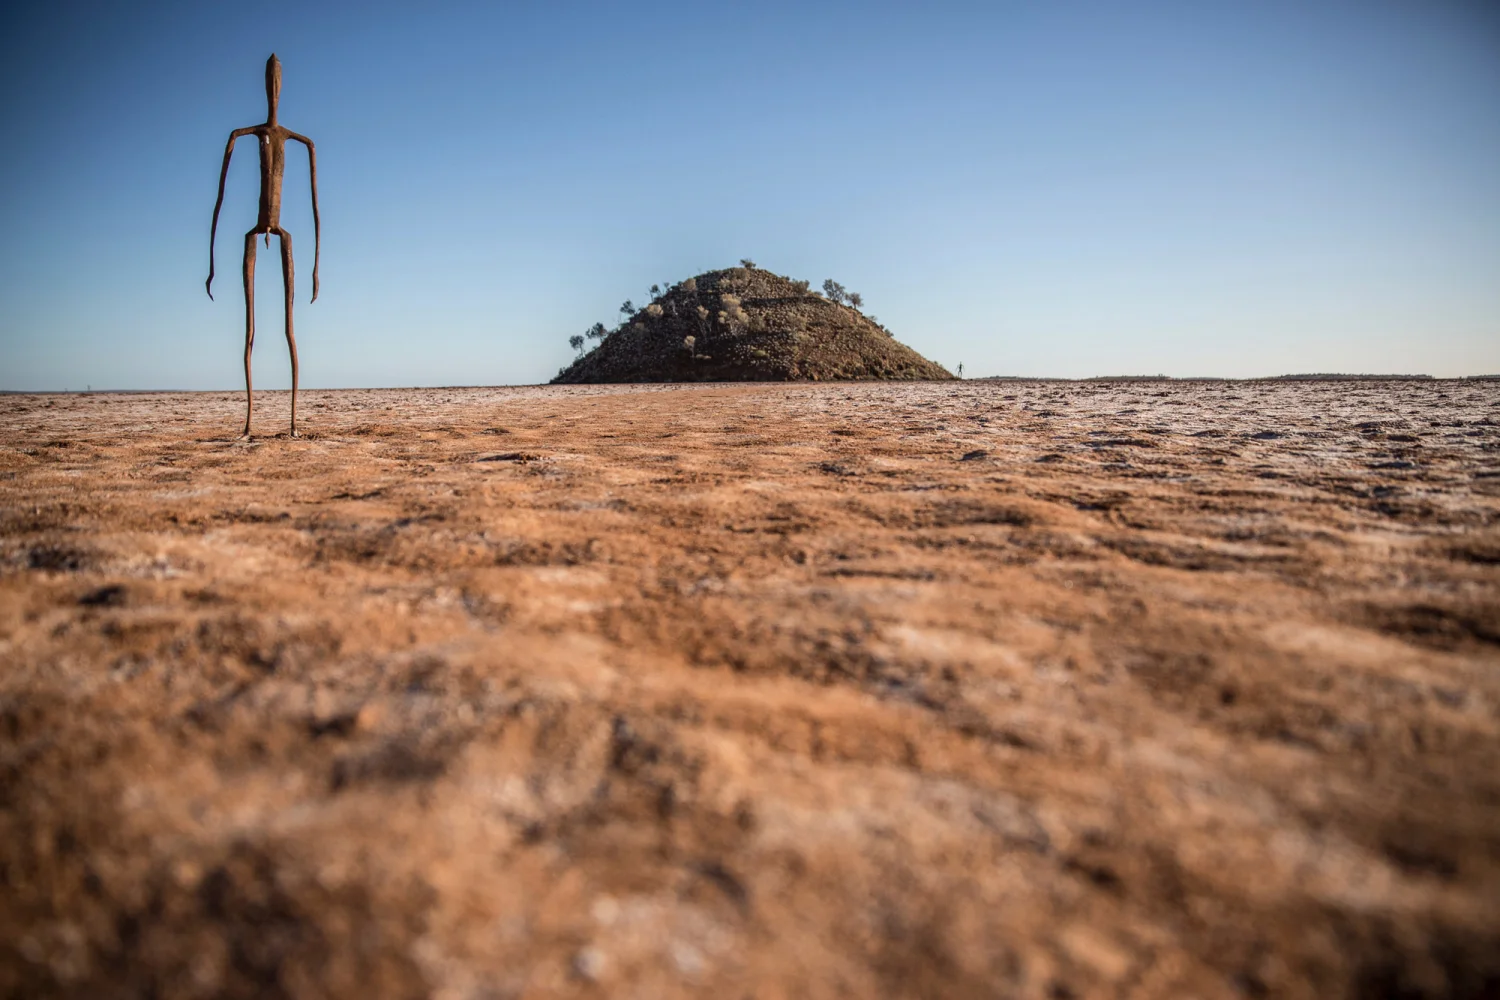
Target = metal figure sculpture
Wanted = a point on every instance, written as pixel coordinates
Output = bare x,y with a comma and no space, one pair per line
273,139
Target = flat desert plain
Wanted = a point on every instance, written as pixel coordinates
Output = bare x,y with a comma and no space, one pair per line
976,689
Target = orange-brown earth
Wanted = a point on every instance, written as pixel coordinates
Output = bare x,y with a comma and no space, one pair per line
930,690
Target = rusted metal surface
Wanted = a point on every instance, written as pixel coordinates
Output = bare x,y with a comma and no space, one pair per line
271,137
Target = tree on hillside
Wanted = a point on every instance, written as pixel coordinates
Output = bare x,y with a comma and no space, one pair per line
732,314
834,290
597,331
576,342
628,308
855,299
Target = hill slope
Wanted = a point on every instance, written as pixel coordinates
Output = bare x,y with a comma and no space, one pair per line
744,324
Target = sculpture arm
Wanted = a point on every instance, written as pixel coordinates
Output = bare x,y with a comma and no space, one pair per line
214,227
312,173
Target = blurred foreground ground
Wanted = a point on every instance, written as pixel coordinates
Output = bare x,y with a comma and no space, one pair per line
935,690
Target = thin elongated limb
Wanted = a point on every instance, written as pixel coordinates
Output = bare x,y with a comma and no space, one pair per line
291,341
249,271
312,173
213,228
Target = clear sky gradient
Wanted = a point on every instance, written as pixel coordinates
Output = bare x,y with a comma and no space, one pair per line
1065,189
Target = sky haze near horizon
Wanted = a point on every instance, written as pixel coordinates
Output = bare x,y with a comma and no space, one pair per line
1068,189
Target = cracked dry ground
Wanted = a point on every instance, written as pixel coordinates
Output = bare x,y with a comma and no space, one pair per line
939,690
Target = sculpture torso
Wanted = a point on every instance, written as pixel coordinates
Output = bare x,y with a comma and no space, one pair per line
272,142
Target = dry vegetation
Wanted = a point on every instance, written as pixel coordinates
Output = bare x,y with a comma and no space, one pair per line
924,690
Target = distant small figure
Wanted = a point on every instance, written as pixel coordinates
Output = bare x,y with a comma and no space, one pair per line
273,139
960,369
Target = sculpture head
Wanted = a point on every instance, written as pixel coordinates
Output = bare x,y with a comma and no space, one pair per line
273,86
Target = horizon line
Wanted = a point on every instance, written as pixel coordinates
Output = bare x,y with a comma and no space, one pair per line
1292,377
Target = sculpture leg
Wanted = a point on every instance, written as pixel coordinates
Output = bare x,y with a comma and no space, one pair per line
291,341
249,272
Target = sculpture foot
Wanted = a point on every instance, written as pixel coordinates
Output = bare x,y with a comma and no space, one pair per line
244,435
294,433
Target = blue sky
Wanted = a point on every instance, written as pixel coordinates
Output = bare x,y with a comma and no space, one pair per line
1066,189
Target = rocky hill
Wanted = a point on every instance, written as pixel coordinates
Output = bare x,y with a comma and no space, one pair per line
744,324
